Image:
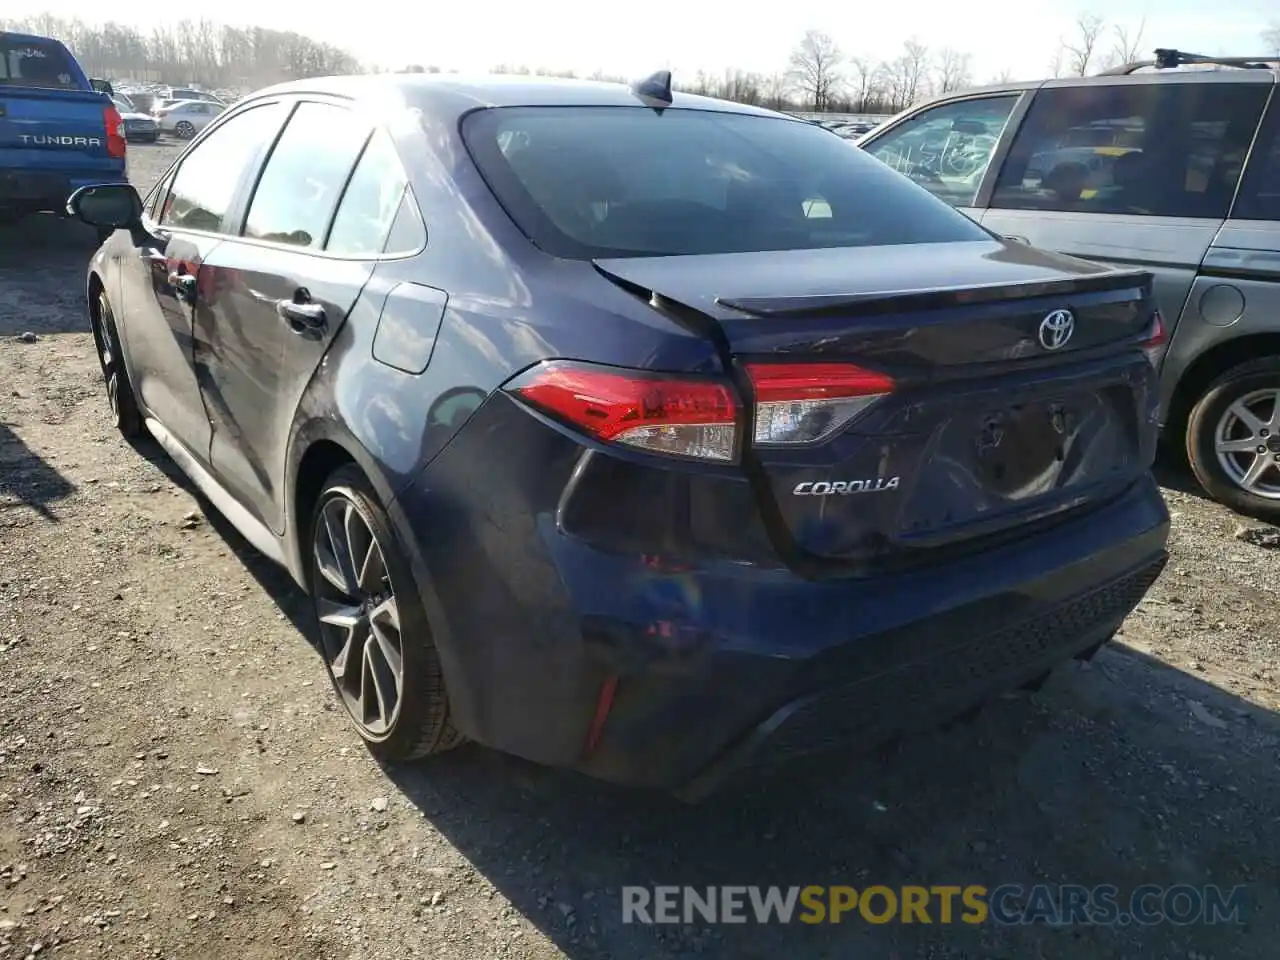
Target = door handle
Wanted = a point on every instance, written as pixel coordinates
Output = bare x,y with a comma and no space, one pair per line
184,284
301,317
1017,239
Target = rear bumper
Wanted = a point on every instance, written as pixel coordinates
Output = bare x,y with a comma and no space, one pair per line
611,663
926,678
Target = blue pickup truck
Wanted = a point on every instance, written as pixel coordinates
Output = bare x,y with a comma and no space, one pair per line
57,132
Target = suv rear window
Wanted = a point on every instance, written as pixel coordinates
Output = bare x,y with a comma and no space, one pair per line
586,182
27,63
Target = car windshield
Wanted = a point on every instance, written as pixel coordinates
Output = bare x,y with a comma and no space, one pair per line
588,182
27,63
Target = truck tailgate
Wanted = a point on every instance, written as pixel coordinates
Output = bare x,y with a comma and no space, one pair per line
54,130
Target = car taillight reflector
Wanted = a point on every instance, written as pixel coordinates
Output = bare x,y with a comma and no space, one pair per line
117,145
807,402
1157,338
672,415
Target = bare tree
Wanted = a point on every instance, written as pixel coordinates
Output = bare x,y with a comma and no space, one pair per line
1004,76
915,71
1271,37
1079,54
777,88
862,80
1128,44
953,70
1057,63
815,67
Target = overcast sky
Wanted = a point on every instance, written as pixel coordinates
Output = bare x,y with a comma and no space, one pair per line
632,39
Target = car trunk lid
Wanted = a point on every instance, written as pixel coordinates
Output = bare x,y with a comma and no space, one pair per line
1012,393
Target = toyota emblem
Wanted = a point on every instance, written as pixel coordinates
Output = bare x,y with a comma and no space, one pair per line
1056,329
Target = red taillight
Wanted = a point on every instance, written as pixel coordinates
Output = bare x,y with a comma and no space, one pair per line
673,415
117,146
806,402
1157,338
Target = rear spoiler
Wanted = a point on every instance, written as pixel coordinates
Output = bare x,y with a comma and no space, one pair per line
900,301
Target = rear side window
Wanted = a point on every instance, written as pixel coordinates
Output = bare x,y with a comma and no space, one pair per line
369,204
210,174
35,64
299,188
946,149
1260,191
1154,149
587,182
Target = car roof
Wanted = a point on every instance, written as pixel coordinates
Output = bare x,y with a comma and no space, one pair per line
445,94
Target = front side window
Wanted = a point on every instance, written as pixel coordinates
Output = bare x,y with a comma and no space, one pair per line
206,181
370,201
588,182
305,174
1154,149
947,149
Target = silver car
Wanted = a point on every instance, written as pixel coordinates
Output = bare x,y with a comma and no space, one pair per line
1164,166
187,117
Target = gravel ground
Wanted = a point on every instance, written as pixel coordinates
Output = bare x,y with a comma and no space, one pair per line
176,779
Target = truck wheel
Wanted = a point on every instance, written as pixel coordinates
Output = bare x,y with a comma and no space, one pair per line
1233,439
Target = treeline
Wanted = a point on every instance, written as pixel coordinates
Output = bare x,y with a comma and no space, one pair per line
818,76
191,51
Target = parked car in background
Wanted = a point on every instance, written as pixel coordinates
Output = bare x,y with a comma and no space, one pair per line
185,118
56,132
1164,166
188,93
138,127
708,442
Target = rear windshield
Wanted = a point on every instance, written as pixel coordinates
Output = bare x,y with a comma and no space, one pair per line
587,182
34,64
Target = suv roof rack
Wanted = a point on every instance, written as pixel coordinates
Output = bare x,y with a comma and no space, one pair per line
1167,59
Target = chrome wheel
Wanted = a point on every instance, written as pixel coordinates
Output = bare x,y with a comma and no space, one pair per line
359,616
1247,443
185,130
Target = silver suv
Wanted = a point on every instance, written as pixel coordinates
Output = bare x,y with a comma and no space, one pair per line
1171,165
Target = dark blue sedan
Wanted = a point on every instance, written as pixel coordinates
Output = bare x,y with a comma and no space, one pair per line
646,434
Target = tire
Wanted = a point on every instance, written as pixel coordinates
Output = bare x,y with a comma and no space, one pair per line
1252,386
352,613
120,395
184,130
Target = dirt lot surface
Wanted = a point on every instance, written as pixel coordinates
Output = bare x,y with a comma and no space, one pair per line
176,779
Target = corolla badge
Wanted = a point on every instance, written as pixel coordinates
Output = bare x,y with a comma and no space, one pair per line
842,488
1056,329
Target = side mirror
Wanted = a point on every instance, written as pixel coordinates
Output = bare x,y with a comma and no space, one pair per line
103,86
115,206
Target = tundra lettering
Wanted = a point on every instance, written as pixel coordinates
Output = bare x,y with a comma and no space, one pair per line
49,140
823,488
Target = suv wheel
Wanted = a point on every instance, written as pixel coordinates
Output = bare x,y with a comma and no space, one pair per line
1233,439
373,629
